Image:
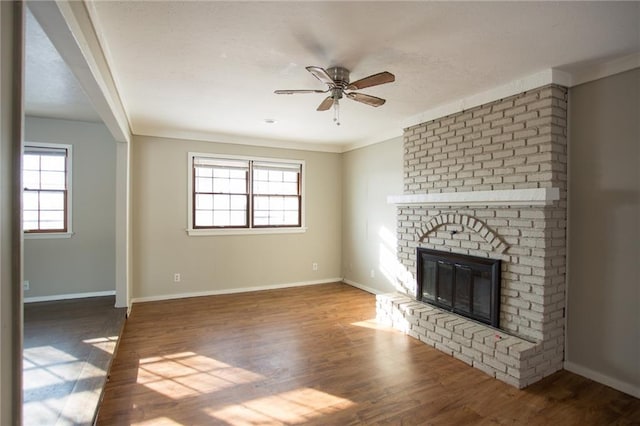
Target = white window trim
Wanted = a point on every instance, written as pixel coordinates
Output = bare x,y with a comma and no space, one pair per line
242,231
56,235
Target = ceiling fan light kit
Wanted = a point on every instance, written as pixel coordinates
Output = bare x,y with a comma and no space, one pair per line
337,81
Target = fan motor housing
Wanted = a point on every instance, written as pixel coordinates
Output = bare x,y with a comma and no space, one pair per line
340,76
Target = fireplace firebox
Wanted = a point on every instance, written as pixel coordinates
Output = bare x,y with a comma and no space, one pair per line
466,285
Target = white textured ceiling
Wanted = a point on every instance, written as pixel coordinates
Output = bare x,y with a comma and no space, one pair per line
208,70
51,89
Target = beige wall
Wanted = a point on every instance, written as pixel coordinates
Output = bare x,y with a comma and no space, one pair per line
215,264
84,263
603,314
370,174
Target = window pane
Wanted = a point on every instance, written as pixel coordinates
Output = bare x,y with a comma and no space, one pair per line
238,218
204,184
221,173
204,172
220,185
30,179
238,186
260,174
261,188
52,216
280,218
221,218
290,188
291,217
53,163
52,201
30,216
31,162
276,210
291,203
275,175
30,200
204,202
275,187
51,225
204,218
238,174
221,202
276,203
30,226
260,221
239,202
276,181
261,203
290,177
52,180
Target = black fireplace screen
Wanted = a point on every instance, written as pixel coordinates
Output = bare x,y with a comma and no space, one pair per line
466,285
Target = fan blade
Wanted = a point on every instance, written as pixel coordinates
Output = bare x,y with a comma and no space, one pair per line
372,80
366,99
321,75
326,104
293,92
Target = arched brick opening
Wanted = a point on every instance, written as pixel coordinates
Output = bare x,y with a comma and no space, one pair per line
468,222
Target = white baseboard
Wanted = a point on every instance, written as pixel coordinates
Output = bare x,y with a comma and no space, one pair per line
625,387
231,290
362,287
68,296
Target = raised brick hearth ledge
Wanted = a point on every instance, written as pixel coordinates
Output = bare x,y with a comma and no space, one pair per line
508,358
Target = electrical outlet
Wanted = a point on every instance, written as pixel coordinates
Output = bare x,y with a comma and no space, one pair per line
314,266
176,278
26,285
373,273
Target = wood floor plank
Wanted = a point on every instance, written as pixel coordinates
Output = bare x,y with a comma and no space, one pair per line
314,355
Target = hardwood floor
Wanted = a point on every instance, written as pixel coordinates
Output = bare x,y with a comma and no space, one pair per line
68,347
314,355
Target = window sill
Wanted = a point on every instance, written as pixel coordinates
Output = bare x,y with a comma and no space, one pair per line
244,231
47,235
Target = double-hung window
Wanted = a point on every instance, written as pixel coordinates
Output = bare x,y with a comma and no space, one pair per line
231,193
276,195
221,193
46,170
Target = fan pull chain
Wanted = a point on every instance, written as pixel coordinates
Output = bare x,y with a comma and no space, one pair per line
336,112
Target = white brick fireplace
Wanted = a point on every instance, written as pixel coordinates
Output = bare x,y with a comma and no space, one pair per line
490,182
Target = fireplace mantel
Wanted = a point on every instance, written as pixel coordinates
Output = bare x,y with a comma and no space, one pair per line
502,197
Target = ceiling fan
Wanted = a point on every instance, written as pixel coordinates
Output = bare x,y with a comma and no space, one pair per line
337,80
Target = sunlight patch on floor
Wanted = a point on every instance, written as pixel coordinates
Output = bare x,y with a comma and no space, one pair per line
99,340
158,421
187,374
373,325
43,355
41,412
293,407
55,374
48,367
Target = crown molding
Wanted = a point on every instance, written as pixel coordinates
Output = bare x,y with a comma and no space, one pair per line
605,69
